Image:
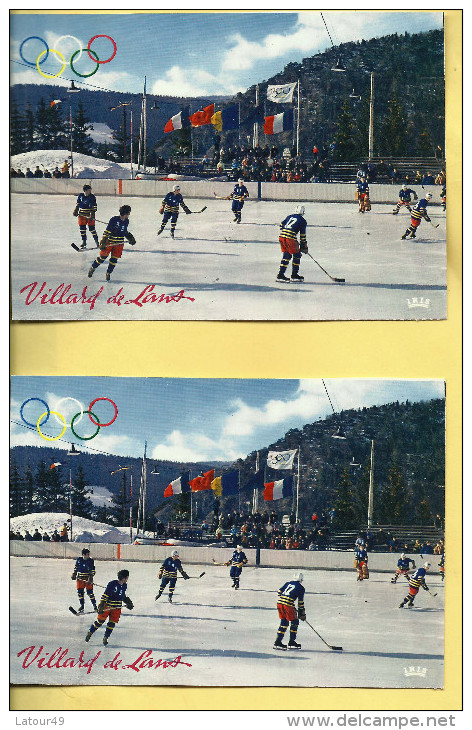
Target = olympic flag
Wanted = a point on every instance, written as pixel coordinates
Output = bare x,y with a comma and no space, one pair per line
282,93
281,459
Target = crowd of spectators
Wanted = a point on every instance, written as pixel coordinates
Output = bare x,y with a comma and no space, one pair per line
55,536
381,172
56,173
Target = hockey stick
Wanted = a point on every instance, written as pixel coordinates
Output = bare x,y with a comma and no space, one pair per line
434,595
87,248
218,197
76,613
333,278
335,648
199,211
434,225
215,563
196,577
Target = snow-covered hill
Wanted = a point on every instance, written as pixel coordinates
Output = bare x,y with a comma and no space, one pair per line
83,530
85,166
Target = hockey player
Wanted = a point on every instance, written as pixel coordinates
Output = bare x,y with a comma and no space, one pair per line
168,573
84,571
403,567
418,212
286,597
443,197
404,198
360,562
85,210
113,241
289,228
363,195
238,196
442,565
110,604
170,209
416,580
237,561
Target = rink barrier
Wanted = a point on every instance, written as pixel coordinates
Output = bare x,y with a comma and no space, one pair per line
306,192
287,559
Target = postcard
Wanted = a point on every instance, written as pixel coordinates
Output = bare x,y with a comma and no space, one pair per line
227,532
293,170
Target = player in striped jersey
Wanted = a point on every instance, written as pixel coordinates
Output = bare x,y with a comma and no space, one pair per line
287,595
168,574
113,241
238,196
360,562
442,565
237,561
403,567
85,210
84,571
110,604
170,209
290,227
416,580
418,212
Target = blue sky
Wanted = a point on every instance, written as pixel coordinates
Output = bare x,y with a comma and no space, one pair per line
194,54
193,419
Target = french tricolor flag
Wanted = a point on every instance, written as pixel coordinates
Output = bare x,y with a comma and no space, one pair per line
279,122
278,490
178,486
179,121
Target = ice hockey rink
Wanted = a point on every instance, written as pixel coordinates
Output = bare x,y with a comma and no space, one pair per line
225,637
215,269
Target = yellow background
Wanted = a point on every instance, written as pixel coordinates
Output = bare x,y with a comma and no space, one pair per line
312,350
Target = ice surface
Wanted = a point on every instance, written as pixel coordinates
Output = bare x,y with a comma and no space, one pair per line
226,270
227,635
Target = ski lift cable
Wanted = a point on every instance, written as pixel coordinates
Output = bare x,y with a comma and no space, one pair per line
327,30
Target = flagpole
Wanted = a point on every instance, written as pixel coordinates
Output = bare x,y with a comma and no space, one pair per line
71,143
255,139
255,493
298,484
298,116
239,124
70,501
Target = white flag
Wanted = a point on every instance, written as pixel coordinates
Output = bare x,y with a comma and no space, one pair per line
282,93
281,459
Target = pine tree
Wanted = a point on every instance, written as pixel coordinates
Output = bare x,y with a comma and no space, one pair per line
346,147
83,142
30,130
42,495
120,505
16,492
395,498
81,503
346,504
58,491
394,134
423,513
29,493
424,146
17,130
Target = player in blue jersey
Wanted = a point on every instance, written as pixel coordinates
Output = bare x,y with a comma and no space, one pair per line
286,597
168,574
443,197
360,562
170,209
416,581
237,561
418,212
404,199
238,196
290,227
110,604
363,195
113,241
442,565
403,567
85,210
84,571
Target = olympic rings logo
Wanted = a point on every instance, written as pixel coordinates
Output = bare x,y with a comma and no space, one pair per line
74,420
92,55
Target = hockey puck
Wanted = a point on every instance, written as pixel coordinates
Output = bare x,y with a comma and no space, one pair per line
368,233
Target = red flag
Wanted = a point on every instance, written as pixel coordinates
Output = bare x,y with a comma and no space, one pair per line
200,118
199,484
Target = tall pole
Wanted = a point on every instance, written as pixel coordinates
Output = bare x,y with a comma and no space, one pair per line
144,125
71,143
124,133
298,484
371,117
131,143
298,117
370,508
70,501
131,508
255,138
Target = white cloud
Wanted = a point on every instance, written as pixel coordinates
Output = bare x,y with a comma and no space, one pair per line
180,446
193,81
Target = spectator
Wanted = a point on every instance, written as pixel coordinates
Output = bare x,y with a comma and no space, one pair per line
38,172
46,537
47,173
427,179
427,548
438,153
394,176
19,173
64,535
56,173
65,169
19,536
417,546
37,535
13,172
418,177
55,536
440,178
438,522
28,536
29,172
